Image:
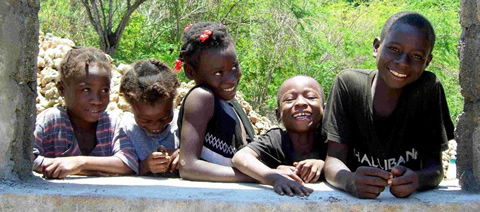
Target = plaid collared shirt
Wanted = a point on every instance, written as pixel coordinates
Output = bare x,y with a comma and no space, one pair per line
54,137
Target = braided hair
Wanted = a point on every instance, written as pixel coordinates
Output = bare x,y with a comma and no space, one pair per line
149,80
193,44
76,63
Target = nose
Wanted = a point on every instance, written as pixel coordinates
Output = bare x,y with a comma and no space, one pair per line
300,101
402,59
231,78
95,99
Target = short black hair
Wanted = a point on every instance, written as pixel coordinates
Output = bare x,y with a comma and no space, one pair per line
75,64
148,80
192,44
413,19
280,89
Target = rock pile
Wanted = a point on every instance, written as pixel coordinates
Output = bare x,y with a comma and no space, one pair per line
52,50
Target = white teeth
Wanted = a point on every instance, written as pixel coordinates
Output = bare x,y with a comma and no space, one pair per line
301,114
397,74
229,89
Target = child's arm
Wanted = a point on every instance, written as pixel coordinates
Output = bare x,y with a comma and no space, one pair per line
198,110
283,181
405,181
365,182
61,167
309,170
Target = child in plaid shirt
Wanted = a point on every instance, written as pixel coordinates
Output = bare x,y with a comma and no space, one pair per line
83,138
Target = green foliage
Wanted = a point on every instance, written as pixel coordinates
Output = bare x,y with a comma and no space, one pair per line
281,38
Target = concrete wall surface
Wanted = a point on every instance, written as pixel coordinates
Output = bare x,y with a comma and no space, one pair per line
163,194
468,128
18,74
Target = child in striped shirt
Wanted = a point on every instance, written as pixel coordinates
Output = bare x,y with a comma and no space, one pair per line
83,138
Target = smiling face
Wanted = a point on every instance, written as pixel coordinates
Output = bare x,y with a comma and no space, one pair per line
300,104
153,117
218,68
86,99
402,56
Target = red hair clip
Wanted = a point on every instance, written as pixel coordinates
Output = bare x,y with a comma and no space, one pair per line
206,34
178,65
187,28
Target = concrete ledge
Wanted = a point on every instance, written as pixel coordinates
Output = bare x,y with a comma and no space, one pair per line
162,194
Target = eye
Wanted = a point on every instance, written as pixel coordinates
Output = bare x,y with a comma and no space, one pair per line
393,49
236,67
417,57
106,90
86,90
218,73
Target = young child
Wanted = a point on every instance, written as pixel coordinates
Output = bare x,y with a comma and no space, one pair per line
287,159
389,126
213,125
83,139
150,87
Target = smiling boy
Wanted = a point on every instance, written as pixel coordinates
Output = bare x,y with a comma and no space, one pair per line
389,126
288,159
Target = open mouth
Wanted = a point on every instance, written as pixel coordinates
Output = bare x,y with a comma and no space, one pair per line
397,74
155,131
302,116
95,111
229,89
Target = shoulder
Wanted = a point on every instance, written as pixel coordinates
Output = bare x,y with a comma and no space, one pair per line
54,114
427,83
199,98
272,135
352,77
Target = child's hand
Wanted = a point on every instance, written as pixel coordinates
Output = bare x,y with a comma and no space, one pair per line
287,182
309,170
61,167
174,160
368,182
403,182
157,162
286,168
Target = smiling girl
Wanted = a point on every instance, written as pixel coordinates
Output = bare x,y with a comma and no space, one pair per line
213,125
83,138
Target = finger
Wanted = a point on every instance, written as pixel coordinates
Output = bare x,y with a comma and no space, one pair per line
307,191
278,190
63,174
305,172
371,180
398,170
174,164
371,171
156,155
311,175
400,180
297,190
376,190
295,164
287,190
299,168
296,178
56,173
402,190
317,176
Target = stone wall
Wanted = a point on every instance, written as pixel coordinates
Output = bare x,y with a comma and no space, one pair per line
468,129
18,53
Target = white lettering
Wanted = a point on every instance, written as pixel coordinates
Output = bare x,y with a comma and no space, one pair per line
385,164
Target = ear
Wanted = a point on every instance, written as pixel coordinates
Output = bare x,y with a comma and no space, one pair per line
376,45
189,72
61,88
429,59
278,115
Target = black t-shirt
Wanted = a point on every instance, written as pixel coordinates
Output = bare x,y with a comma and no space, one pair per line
420,124
275,148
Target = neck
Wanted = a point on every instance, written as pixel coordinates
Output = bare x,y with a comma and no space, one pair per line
302,142
81,125
384,98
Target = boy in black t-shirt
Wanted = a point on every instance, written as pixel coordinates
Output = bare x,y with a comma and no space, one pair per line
389,126
288,159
